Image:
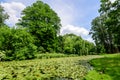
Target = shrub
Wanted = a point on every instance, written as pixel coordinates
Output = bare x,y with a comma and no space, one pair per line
17,43
2,55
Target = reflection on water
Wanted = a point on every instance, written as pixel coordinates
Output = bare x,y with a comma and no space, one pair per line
85,64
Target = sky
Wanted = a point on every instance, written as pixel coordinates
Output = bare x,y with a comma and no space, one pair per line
76,15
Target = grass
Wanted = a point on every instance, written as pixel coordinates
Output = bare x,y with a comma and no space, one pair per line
94,75
106,68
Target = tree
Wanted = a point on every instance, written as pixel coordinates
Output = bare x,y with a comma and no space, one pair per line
22,44
113,21
69,43
60,47
73,44
100,33
105,28
3,16
43,23
17,43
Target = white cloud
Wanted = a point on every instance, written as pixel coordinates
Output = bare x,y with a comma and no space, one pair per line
26,2
89,39
112,1
68,14
13,9
80,31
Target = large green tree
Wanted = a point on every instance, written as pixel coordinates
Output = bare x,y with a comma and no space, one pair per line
3,16
100,34
105,28
43,23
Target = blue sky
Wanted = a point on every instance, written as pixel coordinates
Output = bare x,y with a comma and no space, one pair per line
75,15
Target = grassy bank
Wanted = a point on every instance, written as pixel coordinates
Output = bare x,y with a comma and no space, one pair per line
107,68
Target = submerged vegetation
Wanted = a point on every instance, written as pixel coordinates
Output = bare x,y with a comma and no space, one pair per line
104,67
45,69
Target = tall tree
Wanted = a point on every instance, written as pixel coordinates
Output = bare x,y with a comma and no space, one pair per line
3,16
100,33
105,28
43,23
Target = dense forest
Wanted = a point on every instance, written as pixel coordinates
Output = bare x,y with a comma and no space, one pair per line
38,31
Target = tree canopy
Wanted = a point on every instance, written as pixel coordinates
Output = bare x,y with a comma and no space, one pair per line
43,23
105,28
73,44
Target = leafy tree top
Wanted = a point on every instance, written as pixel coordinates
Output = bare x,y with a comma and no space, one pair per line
3,16
40,15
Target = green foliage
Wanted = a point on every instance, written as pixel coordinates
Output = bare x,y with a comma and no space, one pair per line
5,37
2,55
17,43
105,28
43,23
45,69
73,44
23,46
109,66
94,75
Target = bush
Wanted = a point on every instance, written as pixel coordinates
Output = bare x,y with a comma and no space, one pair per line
17,43
27,52
2,55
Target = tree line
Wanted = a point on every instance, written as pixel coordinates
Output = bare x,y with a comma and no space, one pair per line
38,32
